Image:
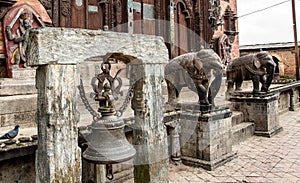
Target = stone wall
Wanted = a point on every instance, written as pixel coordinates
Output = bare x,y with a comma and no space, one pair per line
20,170
17,101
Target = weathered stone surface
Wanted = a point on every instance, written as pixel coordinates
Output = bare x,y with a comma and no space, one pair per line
262,110
58,156
23,73
17,104
71,46
149,132
24,118
21,169
206,139
13,86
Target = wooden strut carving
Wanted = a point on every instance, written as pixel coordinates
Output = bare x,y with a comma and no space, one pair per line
16,23
66,8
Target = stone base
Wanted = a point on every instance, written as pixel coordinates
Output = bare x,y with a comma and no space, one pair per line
206,138
269,134
209,165
260,109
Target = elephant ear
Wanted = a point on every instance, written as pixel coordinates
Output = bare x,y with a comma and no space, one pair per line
257,63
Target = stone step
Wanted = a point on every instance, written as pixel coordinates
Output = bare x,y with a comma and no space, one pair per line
237,118
18,109
17,86
242,131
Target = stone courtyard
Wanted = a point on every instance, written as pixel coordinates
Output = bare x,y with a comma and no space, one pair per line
259,159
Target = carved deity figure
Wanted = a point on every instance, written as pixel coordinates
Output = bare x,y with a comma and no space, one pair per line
16,24
106,95
18,55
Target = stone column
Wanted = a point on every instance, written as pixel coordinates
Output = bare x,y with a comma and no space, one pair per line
58,156
172,28
149,133
171,120
130,16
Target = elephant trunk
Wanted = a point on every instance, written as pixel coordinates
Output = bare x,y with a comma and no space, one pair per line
270,75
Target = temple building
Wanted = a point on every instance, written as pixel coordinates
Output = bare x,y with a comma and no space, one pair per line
185,25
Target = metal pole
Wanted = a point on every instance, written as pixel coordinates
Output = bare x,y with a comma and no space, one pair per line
296,41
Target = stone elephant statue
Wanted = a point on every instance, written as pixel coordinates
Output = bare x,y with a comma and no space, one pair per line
199,71
258,67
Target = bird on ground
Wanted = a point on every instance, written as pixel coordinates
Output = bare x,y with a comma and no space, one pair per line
11,134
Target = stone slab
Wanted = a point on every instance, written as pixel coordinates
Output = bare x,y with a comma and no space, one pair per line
23,73
206,139
241,132
83,44
270,133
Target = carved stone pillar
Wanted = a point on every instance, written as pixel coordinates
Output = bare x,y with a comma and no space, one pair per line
149,133
58,156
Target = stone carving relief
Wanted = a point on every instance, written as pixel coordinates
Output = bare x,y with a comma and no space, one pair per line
230,19
48,6
187,6
223,47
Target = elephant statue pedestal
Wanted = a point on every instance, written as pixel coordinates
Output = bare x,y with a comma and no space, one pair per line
260,109
206,137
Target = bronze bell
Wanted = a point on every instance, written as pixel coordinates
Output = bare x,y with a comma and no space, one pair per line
107,144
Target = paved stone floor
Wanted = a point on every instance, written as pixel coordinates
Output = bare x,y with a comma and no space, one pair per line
260,159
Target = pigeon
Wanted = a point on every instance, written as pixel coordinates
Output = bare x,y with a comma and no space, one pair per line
11,134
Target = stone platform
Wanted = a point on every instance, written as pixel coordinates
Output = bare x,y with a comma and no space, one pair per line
206,138
261,109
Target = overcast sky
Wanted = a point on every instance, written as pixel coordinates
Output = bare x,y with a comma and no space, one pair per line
273,25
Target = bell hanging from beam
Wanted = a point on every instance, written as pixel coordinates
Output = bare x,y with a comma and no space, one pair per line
107,143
